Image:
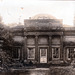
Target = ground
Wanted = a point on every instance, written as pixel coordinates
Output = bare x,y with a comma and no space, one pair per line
68,70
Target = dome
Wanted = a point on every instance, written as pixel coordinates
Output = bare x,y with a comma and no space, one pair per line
43,16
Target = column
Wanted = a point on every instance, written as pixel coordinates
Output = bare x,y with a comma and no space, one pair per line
64,54
50,50
36,48
61,49
21,53
25,48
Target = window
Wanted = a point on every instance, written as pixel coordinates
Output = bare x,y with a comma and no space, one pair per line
16,53
55,53
70,53
31,53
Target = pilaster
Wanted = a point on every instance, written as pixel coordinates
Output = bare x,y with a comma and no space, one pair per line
36,48
25,48
50,50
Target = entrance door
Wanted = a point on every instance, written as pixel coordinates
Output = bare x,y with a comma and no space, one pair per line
43,55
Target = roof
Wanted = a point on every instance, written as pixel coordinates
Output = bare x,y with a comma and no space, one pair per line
43,20
43,16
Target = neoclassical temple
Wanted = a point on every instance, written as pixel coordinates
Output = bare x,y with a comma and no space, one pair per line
43,40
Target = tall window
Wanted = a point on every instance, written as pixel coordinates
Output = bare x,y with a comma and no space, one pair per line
70,53
16,53
55,53
31,53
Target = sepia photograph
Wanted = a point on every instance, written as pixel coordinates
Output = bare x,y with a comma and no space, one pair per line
37,37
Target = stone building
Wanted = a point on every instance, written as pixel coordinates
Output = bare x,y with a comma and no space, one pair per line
43,40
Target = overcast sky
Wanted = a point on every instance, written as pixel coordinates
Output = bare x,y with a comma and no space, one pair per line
14,11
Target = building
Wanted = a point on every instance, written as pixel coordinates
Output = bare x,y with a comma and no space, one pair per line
43,40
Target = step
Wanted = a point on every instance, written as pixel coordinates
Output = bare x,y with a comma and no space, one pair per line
39,69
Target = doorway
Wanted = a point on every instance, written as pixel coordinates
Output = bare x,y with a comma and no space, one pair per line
43,55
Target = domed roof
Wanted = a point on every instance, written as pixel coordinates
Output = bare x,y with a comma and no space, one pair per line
43,16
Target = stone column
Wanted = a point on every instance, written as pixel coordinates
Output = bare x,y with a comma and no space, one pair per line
36,48
21,52
25,48
64,55
50,50
61,49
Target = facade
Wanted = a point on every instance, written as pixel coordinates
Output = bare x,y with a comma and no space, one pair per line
43,40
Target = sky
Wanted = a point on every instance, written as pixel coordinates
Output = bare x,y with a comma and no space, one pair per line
15,11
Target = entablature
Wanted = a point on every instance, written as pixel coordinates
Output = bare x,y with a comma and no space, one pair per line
69,33
43,33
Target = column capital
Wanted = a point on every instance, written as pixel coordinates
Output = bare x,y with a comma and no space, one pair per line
49,36
36,36
61,38
25,36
